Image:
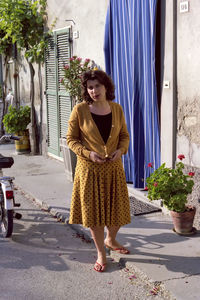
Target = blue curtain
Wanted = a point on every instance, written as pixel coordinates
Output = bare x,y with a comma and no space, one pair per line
130,61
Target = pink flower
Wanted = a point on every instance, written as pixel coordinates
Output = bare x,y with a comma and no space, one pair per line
191,174
146,188
79,59
150,165
66,67
181,156
87,60
71,58
155,184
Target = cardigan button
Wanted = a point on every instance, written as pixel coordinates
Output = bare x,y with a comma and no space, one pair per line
110,136
113,125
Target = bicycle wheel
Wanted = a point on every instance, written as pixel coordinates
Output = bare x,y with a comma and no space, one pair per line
6,220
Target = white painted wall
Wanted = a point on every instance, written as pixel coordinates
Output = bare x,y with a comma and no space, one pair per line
180,105
188,82
168,129
89,17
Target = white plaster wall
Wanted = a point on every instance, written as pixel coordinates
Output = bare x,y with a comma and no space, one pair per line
188,82
168,94
89,17
188,49
190,150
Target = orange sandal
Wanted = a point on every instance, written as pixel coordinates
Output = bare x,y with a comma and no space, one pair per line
99,268
120,250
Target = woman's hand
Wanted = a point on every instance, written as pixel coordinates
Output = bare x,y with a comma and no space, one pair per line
116,155
96,158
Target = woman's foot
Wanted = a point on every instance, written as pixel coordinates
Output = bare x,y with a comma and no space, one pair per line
99,267
100,264
115,246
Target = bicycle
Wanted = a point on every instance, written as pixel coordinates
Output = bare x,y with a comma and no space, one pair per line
7,199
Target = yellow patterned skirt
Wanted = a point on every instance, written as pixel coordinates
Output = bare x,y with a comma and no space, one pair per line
100,195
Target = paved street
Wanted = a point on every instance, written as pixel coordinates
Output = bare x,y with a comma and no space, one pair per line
46,259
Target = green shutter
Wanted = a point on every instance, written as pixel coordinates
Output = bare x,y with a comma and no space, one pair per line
58,100
65,104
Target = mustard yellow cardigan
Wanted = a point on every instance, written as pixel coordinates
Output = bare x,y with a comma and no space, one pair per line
83,135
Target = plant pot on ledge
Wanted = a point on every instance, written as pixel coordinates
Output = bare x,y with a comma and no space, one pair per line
173,186
16,122
23,145
183,221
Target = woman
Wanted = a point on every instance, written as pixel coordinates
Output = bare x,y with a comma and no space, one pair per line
97,133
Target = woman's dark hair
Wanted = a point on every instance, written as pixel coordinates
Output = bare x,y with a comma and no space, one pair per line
102,78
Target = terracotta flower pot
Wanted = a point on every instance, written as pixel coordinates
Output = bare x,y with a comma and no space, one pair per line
183,221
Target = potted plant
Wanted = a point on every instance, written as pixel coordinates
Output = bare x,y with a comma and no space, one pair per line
72,82
16,122
173,187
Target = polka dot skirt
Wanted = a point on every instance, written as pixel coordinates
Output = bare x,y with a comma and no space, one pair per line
100,195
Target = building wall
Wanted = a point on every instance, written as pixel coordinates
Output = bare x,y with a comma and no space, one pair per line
168,82
188,83
88,19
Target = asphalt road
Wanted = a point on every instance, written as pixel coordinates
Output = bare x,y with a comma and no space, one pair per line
46,259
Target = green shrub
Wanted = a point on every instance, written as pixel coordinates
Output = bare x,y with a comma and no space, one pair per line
17,119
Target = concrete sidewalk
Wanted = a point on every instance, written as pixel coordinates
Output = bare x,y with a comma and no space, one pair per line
157,253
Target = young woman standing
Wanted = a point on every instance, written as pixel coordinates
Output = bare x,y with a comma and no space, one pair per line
97,133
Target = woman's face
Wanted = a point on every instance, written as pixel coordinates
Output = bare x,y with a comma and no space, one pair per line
96,90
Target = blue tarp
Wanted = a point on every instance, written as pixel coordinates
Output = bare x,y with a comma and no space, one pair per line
130,61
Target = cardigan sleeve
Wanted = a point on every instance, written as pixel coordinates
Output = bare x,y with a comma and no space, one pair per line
73,136
123,136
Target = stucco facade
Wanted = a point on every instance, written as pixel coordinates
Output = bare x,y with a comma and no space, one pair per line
180,109
188,83
86,19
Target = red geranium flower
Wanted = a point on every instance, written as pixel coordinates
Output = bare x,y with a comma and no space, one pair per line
150,165
146,188
191,174
181,156
155,184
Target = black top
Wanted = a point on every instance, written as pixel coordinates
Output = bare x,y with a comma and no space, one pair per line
103,123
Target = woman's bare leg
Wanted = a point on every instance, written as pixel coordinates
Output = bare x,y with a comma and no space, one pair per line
111,241
98,237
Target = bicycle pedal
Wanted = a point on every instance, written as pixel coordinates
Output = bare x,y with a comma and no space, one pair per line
17,204
17,216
